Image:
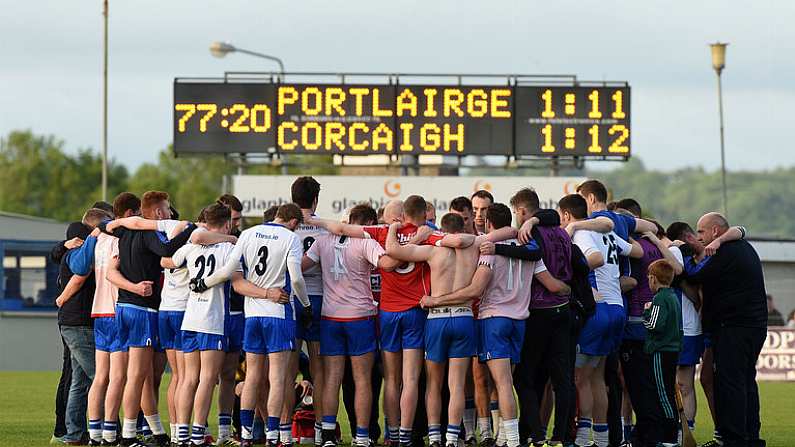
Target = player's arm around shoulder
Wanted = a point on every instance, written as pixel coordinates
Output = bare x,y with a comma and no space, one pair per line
408,252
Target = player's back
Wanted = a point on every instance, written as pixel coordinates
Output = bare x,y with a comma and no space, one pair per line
508,292
205,311
402,288
346,264
266,249
308,234
605,279
106,293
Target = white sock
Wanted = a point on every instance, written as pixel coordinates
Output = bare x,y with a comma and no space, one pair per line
470,414
484,425
154,424
496,423
501,434
583,431
601,435
511,428
173,432
128,429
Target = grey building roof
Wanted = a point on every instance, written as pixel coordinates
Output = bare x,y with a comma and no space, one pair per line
21,227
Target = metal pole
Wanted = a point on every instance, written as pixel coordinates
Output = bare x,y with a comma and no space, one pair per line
722,150
105,105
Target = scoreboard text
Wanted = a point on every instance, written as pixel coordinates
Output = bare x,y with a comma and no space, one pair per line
357,119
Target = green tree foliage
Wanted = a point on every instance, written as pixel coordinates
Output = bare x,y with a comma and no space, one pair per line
764,202
38,178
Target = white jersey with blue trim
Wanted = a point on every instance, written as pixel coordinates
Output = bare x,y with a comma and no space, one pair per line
691,320
174,296
313,277
605,278
266,249
205,312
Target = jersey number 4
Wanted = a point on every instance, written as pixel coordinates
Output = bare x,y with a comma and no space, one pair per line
202,263
259,269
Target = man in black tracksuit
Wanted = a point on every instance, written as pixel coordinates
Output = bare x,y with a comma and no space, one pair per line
735,313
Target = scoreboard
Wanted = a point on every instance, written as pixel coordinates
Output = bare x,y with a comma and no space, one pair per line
364,119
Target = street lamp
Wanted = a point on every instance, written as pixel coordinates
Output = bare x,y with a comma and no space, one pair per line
221,49
718,63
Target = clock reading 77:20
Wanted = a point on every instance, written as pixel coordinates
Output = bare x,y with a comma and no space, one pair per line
237,118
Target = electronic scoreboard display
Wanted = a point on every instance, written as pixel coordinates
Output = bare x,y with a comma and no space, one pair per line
364,119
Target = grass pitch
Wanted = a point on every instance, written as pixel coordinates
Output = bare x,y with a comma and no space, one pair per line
27,417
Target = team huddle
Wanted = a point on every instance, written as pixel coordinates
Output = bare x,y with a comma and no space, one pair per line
589,309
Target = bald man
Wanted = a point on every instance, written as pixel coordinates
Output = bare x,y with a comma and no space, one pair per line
735,313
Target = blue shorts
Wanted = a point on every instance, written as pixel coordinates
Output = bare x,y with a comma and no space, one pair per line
501,338
602,333
201,341
169,323
450,338
353,338
264,335
313,333
692,349
106,335
402,330
707,340
137,326
234,328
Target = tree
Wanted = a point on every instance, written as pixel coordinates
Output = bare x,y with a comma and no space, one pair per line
38,178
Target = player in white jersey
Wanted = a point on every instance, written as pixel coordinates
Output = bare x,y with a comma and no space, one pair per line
203,338
602,332
304,193
271,255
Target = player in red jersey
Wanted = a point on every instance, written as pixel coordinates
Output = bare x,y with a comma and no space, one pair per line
401,320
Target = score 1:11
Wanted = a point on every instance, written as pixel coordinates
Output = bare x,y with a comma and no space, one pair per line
593,98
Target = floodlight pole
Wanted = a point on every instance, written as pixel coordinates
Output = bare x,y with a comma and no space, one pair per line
718,63
105,103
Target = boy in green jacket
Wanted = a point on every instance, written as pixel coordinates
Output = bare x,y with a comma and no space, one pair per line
663,317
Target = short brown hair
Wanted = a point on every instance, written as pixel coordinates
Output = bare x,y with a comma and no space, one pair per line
232,202
594,187
288,212
483,194
95,216
217,215
270,214
461,204
499,215
363,214
663,271
151,199
452,223
304,191
575,205
414,207
126,201
526,198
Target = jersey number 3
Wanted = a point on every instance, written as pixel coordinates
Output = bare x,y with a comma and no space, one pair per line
259,269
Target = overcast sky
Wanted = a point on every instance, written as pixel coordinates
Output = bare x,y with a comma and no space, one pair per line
51,69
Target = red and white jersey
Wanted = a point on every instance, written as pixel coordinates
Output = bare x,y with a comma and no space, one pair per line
402,288
346,264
